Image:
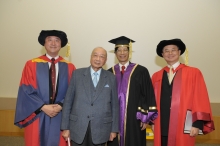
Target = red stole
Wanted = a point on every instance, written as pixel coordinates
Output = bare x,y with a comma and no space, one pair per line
174,105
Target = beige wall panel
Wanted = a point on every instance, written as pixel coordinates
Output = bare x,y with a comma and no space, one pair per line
92,23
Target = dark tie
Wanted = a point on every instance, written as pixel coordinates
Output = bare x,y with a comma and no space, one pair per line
53,78
123,69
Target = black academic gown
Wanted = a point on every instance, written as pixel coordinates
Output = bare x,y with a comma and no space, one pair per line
140,94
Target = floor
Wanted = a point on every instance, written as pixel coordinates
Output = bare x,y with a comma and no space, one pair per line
19,141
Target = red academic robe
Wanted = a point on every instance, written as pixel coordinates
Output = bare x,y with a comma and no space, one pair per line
33,93
192,95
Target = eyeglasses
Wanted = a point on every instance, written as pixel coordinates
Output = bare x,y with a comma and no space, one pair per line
170,51
120,51
102,57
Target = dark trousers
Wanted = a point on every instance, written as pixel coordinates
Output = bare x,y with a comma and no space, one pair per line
164,140
114,142
87,140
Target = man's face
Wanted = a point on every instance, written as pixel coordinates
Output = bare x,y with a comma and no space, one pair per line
98,58
122,54
171,54
52,45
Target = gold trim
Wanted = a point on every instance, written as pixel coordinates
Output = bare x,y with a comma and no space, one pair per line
68,50
152,107
142,110
39,60
130,50
66,61
113,69
121,46
127,100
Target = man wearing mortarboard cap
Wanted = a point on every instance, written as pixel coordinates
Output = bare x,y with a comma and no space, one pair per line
135,94
180,94
41,92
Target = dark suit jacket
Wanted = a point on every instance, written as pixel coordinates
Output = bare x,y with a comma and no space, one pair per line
84,103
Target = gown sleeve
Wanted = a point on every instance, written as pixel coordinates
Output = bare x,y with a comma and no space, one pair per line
28,101
147,111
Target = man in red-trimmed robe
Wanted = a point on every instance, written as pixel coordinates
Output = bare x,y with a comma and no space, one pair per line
135,95
41,92
179,89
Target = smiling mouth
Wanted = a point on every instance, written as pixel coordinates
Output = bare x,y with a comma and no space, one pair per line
97,63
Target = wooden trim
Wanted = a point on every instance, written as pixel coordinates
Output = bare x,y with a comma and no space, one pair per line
12,134
7,127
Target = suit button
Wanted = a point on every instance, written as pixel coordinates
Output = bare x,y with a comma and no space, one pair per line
88,117
91,104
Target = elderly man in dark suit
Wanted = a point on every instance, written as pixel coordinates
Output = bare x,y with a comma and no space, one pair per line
91,109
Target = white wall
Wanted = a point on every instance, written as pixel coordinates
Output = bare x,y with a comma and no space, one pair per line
92,23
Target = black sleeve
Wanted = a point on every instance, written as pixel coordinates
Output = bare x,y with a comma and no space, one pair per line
198,124
60,103
38,110
151,123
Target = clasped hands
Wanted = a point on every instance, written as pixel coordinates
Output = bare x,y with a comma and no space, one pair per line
51,109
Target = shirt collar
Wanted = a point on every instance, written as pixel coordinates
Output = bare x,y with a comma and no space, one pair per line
175,65
92,71
126,65
48,56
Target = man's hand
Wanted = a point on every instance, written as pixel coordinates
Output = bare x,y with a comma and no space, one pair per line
143,126
152,128
66,134
194,131
57,108
50,110
112,136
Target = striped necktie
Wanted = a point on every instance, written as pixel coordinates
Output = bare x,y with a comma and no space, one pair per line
53,78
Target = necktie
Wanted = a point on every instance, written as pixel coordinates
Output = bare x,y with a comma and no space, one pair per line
170,74
123,69
53,78
95,80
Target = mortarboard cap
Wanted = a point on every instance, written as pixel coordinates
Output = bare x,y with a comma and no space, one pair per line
123,41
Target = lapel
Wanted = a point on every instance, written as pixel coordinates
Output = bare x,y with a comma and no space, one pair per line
87,82
100,85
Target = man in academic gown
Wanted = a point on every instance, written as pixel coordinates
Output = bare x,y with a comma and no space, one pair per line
41,92
179,89
135,94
